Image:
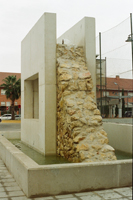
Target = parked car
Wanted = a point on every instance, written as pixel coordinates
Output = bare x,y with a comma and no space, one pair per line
17,117
128,114
6,117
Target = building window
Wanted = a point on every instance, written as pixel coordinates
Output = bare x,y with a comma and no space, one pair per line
130,94
16,103
105,93
118,93
3,92
8,103
3,103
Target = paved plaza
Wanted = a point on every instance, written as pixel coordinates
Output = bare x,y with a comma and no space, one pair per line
9,190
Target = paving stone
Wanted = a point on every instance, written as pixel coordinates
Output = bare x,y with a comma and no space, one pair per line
83,194
44,198
91,197
2,189
2,168
5,169
103,191
16,193
64,196
13,188
8,184
110,195
74,198
19,198
124,191
3,194
6,180
122,199
6,176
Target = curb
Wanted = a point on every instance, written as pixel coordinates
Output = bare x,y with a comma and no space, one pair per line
11,121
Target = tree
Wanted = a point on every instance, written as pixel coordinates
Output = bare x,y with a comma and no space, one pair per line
12,88
123,104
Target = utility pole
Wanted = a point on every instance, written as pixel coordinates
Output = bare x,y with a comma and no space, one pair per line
100,73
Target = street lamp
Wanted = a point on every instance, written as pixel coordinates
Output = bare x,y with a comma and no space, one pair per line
130,39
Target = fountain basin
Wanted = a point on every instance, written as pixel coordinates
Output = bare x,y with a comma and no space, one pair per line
45,180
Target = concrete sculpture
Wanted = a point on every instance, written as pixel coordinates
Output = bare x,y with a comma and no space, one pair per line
86,138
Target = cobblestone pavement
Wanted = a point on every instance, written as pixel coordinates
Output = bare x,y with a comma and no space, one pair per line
11,191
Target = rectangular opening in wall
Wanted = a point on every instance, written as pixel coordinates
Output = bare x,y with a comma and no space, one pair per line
31,97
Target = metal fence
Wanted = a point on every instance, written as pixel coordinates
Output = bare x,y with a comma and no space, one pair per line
114,61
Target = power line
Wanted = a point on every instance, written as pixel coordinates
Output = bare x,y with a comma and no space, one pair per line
114,26
115,49
122,72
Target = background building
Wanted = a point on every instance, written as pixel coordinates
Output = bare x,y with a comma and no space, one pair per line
112,94
5,103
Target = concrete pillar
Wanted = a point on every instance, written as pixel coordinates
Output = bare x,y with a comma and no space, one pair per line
110,111
114,110
120,108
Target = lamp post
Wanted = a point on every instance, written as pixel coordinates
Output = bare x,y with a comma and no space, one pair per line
130,39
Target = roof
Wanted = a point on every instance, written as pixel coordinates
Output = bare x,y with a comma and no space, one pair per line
3,75
126,84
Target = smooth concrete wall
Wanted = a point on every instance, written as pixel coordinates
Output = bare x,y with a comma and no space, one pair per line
37,180
119,135
38,85
83,34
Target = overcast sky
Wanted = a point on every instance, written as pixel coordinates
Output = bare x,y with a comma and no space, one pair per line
18,16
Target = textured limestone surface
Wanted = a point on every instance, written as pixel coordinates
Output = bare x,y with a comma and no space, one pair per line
80,135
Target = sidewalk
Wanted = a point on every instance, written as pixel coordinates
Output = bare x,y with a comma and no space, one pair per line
9,190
